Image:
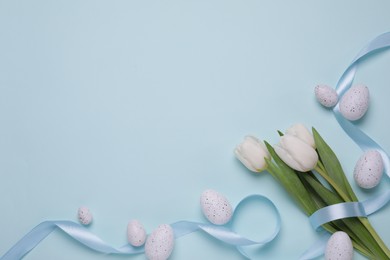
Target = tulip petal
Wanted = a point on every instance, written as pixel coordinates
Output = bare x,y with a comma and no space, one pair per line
287,158
300,131
251,152
243,160
299,152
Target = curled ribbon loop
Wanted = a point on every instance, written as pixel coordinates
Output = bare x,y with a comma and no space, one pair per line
352,209
180,228
380,43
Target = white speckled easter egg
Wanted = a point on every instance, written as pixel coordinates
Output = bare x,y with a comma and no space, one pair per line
215,207
84,215
159,244
354,103
369,169
136,234
326,95
339,247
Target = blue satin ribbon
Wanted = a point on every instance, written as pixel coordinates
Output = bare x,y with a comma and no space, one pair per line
380,43
340,211
223,233
318,248
351,209
348,210
180,228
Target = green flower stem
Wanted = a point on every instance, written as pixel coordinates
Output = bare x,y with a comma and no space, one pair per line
363,250
366,240
300,200
375,235
320,165
357,232
272,169
364,221
332,183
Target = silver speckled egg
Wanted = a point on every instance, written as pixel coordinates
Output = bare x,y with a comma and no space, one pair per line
339,247
84,216
369,169
136,234
159,244
326,95
216,207
354,103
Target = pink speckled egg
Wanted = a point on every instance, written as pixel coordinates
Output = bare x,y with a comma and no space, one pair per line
326,95
136,234
84,216
159,244
339,247
216,207
369,169
354,103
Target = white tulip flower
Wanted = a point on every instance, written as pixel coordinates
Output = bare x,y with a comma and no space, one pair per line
296,153
252,153
300,131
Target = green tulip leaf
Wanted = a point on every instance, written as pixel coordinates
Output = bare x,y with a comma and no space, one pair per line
290,181
355,229
332,165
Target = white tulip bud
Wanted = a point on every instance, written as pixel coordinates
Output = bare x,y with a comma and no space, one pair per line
296,153
251,152
300,131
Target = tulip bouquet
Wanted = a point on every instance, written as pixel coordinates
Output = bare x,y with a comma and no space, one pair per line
310,172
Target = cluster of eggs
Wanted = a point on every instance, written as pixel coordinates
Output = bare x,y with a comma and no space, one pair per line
159,244
369,168
218,210
353,105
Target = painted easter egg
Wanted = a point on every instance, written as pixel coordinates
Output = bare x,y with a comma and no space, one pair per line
215,207
84,216
339,247
159,244
354,103
369,169
136,234
326,95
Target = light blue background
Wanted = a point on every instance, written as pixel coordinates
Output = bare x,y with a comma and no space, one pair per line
133,108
